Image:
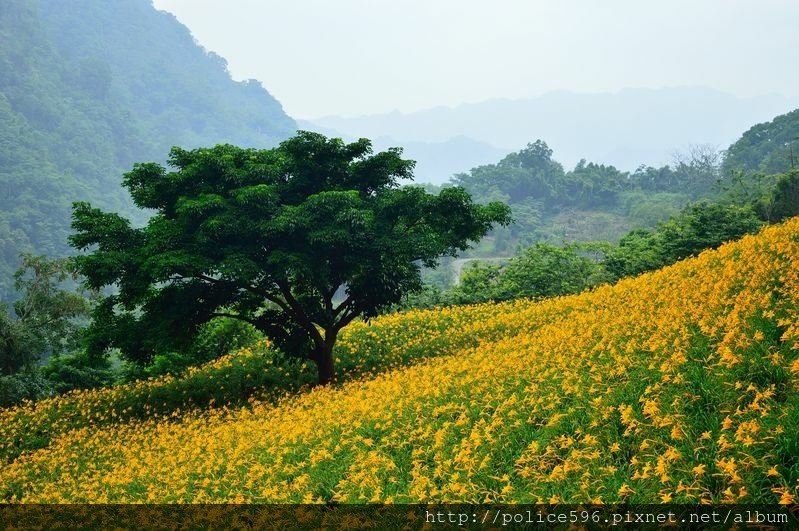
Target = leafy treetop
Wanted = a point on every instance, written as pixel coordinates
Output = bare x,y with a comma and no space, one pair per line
46,319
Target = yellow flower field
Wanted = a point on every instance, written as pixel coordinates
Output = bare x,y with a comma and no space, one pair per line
678,385
388,342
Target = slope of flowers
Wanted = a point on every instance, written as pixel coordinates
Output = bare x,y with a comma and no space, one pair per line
679,385
387,342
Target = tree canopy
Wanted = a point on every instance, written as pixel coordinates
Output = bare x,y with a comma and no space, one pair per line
783,200
297,240
542,270
770,147
46,317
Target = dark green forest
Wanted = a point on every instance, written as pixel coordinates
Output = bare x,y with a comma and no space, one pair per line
768,148
595,202
595,224
591,201
88,88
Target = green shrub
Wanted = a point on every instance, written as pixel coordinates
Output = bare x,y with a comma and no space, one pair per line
215,339
65,373
28,385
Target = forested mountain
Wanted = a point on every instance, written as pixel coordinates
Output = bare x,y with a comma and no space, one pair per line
594,201
590,201
769,147
88,88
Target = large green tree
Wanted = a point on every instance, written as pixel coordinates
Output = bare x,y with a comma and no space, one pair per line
45,319
698,227
298,241
770,147
783,201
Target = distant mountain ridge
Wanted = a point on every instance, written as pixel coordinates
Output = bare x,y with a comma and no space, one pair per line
626,129
436,162
90,87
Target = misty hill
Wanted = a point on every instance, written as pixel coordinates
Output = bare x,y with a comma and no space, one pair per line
769,147
88,88
624,129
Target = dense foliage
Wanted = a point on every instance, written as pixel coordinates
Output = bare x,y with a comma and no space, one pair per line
89,87
783,201
591,201
297,241
770,147
626,223
42,332
545,270
43,322
46,317
700,226
542,270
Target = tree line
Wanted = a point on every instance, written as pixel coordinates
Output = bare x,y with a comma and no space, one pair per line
546,270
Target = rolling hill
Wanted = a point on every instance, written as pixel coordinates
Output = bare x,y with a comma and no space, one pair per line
680,385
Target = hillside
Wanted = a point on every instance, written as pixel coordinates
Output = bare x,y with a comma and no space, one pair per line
589,202
87,89
768,147
679,385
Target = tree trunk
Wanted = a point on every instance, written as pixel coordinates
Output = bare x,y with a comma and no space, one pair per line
323,357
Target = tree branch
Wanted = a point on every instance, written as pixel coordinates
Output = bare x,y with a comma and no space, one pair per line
236,316
252,289
327,297
347,317
409,226
341,307
299,313
268,296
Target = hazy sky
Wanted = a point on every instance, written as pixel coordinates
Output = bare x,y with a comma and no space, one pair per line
352,57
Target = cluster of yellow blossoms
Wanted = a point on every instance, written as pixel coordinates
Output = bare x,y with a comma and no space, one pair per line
676,386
